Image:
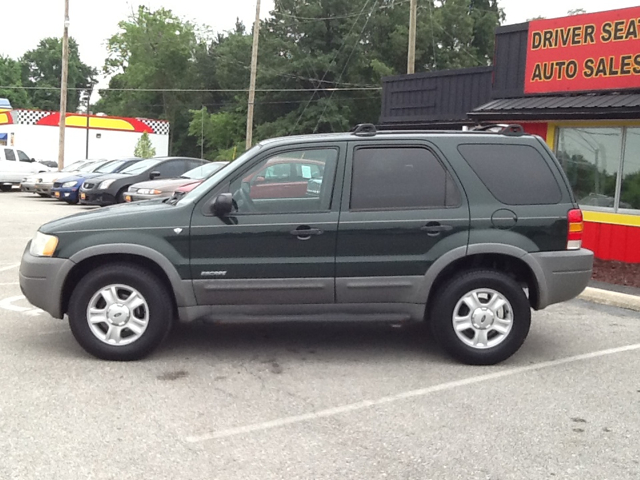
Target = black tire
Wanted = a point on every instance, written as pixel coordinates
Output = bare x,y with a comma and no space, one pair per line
6,188
43,195
152,290
121,193
447,298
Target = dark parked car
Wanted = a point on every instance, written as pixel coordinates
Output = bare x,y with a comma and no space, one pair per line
468,231
154,189
111,188
68,188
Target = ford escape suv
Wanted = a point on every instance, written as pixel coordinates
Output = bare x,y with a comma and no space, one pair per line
468,231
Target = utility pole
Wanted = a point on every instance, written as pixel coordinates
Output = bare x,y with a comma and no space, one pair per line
63,85
202,133
252,82
411,56
90,92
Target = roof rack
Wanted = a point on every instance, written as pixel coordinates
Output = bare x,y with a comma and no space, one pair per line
503,128
364,130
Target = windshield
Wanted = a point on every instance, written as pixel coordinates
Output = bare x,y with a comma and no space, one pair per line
92,167
205,186
74,166
111,167
204,171
141,166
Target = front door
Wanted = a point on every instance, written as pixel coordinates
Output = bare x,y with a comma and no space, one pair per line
402,208
278,245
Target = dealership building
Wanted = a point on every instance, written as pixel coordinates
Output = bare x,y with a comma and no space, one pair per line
575,82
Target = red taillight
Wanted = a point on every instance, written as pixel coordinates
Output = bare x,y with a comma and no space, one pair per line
574,235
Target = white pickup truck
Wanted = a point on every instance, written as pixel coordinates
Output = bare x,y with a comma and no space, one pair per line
15,165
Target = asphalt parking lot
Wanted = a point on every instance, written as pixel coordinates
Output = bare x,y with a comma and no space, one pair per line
294,401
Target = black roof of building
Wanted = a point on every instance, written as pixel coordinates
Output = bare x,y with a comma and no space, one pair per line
611,106
434,98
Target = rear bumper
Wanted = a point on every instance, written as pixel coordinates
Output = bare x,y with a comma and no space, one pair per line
44,188
28,187
101,199
565,275
41,281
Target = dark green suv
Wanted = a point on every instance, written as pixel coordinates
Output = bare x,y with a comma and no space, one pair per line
466,230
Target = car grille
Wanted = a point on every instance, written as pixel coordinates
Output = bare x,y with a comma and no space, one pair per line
57,185
88,186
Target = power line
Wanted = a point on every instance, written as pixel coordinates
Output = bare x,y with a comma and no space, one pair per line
344,42
202,90
344,69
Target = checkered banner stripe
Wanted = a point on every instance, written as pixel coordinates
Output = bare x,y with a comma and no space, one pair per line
159,127
29,117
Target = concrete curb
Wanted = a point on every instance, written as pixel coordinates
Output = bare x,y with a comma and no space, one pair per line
614,299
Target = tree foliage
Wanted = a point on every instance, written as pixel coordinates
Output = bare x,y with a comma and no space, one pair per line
11,76
42,67
144,148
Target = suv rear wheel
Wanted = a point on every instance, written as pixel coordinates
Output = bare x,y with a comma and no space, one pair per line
120,312
481,317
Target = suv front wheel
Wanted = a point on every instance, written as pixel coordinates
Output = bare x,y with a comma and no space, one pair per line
481,317
120,312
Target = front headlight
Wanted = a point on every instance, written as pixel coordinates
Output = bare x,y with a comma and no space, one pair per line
149,191
106,184
69,184
43,245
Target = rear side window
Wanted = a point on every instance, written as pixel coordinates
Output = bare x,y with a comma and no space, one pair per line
9,154
400,178
514,174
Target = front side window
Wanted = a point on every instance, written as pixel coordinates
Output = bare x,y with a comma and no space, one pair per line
9,154
23,157
294,182
400,178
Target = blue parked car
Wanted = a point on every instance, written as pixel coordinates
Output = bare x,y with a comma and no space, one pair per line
66,188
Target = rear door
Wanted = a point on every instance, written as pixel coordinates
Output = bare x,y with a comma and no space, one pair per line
402,208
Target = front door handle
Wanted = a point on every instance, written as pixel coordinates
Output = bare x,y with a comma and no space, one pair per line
435,228
305,233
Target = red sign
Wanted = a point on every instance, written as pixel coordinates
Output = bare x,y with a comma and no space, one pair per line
595,51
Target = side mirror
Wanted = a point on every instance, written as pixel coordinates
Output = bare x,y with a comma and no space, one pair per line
223,205
153,175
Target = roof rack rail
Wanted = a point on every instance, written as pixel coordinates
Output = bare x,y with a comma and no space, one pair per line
364,130
503,128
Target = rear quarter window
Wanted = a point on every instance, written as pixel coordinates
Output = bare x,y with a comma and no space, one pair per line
514,174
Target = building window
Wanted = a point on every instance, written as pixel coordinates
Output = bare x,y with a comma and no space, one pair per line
630,191
591,159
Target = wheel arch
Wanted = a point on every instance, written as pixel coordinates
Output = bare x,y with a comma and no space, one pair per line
93,257
513,261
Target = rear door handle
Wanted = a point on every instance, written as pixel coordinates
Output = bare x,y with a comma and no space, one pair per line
435,228
305,233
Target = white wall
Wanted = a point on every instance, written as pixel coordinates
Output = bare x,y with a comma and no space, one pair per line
41,142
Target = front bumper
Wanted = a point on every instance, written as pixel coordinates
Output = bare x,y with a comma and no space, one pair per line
93,198
42,280
136,197
66,194
565,275
44,188
28,187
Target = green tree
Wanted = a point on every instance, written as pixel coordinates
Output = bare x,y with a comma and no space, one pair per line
11,76
153,60
144,148
41,68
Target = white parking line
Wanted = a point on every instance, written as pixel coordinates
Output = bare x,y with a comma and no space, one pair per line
352,407
10,283
3,269
7,304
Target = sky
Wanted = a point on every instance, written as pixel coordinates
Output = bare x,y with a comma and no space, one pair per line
26,22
